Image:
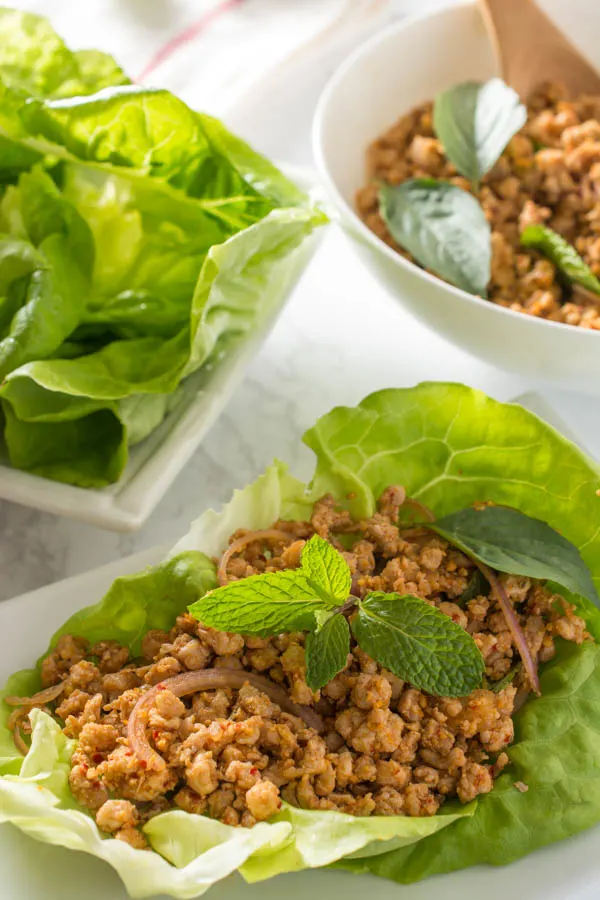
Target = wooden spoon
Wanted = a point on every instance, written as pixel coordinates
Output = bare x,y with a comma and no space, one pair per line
532,49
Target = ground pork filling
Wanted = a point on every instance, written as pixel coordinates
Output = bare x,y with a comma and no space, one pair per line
549,174
384,747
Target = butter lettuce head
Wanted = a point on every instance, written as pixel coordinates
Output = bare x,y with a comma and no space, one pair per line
151,241
449,445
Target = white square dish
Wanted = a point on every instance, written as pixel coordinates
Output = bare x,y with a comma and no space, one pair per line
155,462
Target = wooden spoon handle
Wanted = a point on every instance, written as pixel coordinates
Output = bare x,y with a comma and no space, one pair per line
531,49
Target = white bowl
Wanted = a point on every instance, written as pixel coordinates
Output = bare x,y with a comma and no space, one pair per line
392,72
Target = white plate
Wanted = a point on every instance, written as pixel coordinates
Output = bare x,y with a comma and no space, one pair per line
155,462
33,871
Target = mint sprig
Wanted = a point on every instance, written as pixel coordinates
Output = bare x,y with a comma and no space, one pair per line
327,649
405,634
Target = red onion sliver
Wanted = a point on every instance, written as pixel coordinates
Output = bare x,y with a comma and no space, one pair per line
270,534
207,680
39,699
513,624
420,507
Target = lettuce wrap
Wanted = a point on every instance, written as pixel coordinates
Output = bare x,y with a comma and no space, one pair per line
450,446
139,240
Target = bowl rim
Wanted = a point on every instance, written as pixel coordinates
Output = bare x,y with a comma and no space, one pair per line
364,51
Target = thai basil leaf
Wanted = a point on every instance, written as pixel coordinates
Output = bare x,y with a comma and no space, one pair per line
497,686
327,650
419,644
512,542
477,586
475,122
443,227
564,256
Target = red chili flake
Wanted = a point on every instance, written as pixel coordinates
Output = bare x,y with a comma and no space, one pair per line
253,770
143,764
507,739
84,766
161,687
155,735
129,753
97,758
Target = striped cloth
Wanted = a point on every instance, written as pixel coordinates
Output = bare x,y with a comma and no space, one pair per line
211,52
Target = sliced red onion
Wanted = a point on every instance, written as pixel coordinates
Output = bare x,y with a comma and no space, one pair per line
39,699
206,680
513,623
421,508
270,534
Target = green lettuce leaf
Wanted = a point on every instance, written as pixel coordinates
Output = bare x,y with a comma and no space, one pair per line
241,284
450,446
34,58
43,292
154,132
161,240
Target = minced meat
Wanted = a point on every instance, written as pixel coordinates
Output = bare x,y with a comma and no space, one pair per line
548,174
386,748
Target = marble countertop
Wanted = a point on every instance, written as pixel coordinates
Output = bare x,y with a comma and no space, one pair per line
340,338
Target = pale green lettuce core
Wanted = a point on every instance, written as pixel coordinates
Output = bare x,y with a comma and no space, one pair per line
151,240
449,446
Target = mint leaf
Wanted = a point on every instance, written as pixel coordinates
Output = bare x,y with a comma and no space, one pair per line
327,650
262,605
327,570
419,644
564,256
509,541
475,122
443,227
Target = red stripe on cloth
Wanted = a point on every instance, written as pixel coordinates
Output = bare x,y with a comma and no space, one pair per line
184,37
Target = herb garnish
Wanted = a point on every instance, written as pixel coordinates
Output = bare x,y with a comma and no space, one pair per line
475,122
564,256
476,587
411,638
443,227
327,648
408,636
510,541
